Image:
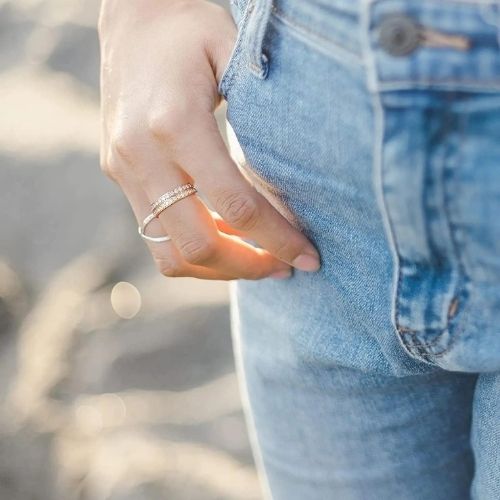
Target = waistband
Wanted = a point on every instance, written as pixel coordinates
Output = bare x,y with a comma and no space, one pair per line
449,44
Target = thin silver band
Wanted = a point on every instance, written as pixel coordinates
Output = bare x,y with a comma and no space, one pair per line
156,239
163,202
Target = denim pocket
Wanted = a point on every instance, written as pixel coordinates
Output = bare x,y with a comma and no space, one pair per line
241,16
251,17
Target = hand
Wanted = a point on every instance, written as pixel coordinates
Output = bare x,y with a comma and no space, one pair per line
161,61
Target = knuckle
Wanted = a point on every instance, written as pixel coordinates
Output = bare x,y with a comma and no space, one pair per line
123,145
198,250
162,126
167,124
240,210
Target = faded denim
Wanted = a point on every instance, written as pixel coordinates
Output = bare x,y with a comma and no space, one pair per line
377,377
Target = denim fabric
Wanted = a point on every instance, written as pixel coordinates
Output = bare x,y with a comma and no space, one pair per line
378,376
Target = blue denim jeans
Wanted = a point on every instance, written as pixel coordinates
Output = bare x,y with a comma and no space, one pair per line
374,127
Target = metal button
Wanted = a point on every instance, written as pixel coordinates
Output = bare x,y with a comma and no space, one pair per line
399,35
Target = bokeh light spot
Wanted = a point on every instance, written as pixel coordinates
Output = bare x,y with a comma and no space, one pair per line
125,300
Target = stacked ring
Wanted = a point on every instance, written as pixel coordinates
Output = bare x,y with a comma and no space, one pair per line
164,201
173,192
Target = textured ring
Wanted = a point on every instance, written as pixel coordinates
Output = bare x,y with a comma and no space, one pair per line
163,202
159,207
170,194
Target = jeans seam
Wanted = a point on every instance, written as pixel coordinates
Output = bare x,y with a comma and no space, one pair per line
467,2
462,278
378,172
416,333
234,64
236,337
417,344
258,61
450,85
378,165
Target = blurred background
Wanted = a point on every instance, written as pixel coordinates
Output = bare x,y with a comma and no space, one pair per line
116,382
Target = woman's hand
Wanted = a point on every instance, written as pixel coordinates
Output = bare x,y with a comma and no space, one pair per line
161,61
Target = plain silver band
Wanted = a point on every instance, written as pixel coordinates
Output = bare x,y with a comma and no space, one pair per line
156,239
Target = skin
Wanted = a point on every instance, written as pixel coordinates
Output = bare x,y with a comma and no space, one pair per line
161,63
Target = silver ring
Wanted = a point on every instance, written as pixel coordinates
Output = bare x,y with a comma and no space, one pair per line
156,239
164,201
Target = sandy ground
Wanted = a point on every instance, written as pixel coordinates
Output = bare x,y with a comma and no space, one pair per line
95,406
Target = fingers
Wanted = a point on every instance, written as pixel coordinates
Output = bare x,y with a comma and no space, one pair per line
193,231
189,223
197,248
167,258
151,101
239,203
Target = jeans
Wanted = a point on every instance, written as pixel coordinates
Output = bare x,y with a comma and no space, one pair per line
374,128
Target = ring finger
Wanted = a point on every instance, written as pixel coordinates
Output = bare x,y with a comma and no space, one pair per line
195,234
197,248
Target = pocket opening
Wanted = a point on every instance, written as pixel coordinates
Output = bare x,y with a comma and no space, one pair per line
251,19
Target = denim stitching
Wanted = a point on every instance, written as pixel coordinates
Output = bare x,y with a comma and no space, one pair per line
410,339
378,173
467,2
463,277
234,63
454,333
416,342
378,163
452,227
460,328
461,285
477,85
258,63
444,208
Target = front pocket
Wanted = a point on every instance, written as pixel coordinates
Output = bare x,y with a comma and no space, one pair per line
241,15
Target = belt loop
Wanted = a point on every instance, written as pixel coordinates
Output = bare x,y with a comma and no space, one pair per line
365,16
491,15
258,60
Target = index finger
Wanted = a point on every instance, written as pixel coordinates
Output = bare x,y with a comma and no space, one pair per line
240,204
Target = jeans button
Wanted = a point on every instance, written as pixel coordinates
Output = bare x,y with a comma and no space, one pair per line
399,35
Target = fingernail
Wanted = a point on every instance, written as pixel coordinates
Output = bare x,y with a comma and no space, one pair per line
306,262
281,275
